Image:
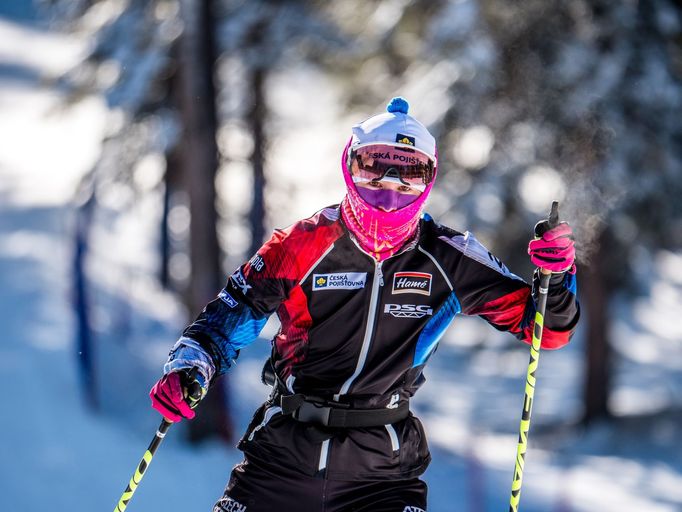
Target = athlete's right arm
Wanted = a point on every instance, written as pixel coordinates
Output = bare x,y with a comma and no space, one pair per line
235,318
231,321
252,293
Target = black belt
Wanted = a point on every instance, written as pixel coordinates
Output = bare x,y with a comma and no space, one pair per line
315,410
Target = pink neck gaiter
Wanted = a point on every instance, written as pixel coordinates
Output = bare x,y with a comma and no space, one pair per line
387,200
379,233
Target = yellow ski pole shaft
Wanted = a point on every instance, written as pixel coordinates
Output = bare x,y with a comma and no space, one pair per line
529,393
193,392
142,466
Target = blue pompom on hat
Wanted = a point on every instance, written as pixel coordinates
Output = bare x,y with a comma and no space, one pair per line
396,128
398,104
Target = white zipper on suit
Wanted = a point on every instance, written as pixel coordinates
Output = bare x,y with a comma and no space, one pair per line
377,283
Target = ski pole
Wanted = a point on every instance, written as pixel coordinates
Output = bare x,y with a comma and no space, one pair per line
529,393
193,394
143,465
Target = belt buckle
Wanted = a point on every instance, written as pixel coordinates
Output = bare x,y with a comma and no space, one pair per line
311,412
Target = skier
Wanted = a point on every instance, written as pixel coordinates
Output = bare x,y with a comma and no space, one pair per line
364,291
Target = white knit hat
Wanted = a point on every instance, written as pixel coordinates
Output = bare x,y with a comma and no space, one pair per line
395,128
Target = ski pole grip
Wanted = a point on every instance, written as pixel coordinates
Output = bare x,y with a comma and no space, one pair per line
192,387
551,222
554,214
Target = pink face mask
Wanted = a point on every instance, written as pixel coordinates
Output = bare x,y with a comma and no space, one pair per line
386,200
379,233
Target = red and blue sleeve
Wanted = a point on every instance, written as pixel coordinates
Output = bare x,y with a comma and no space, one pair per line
257,288
485,287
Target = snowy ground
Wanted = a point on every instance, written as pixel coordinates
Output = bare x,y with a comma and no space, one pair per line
58,455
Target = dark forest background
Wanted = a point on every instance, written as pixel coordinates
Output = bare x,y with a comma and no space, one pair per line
530,101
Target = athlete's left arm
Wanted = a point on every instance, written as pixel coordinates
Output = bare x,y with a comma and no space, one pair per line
485,287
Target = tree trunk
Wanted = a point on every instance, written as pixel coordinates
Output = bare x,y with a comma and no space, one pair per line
172,175
596,298
199,152
256,120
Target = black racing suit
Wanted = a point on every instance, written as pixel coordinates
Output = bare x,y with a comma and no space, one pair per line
357,333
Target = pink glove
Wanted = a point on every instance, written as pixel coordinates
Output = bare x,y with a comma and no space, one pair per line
167,398
555,251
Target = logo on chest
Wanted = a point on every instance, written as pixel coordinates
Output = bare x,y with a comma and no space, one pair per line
408,310
411,282
340,281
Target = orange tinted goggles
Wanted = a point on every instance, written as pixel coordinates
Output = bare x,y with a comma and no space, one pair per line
412,167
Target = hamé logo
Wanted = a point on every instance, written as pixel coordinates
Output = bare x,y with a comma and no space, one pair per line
404,139
411,282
